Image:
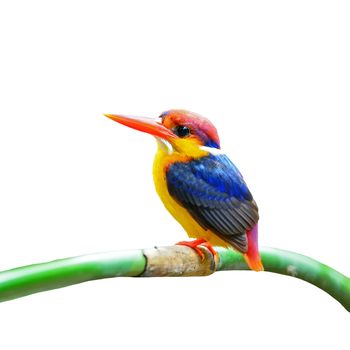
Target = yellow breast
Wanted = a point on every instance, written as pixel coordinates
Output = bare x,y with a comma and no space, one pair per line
163,160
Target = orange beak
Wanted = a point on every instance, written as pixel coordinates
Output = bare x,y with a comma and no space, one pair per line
148,125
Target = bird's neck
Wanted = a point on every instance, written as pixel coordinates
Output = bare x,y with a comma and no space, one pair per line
166,155
181,149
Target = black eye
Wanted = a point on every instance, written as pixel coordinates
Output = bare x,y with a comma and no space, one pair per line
182,130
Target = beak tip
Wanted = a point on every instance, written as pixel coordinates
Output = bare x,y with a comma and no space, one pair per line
111,116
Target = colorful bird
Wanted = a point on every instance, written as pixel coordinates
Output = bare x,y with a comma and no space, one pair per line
199,185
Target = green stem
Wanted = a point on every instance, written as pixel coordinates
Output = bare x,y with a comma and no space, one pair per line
296,265
166,261
36,278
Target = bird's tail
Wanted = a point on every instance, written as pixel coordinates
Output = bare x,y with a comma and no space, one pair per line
252,256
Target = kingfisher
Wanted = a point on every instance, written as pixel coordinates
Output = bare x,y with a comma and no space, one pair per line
199,185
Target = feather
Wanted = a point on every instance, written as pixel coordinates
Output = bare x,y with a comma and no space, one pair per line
213,191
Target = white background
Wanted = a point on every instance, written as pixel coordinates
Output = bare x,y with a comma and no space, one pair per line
274,78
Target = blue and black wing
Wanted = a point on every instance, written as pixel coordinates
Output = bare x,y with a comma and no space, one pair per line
214,192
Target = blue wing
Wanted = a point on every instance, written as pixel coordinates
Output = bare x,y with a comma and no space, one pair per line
212,189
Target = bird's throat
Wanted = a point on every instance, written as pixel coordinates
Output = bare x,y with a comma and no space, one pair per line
165,146
182,148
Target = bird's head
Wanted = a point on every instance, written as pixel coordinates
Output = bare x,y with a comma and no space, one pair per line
177,131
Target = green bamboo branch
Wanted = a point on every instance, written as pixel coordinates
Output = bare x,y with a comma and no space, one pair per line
166,261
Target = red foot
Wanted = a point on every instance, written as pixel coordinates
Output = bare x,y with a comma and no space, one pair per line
199,242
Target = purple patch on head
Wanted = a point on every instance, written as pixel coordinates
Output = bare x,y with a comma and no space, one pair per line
164,114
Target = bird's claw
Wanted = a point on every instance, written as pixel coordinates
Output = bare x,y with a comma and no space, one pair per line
195,246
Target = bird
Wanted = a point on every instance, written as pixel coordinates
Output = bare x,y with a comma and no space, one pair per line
199,185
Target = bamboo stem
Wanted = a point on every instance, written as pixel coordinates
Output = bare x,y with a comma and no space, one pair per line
165,261
36,278
295,265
